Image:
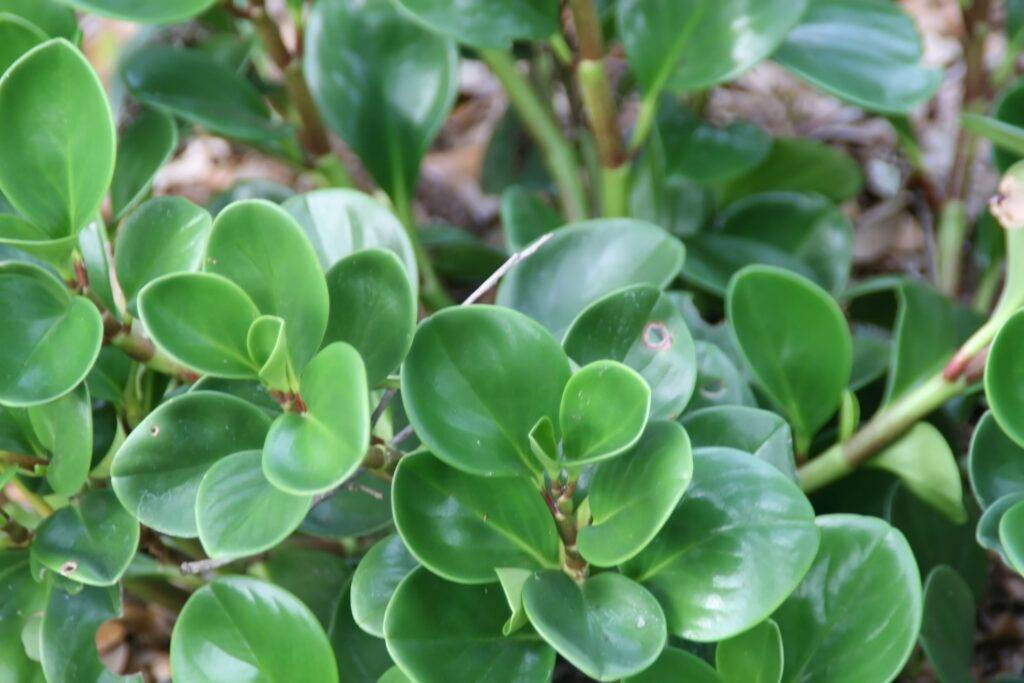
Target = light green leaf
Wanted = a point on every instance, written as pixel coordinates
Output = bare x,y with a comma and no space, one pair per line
375,580
1004,378
799,165
145,145
17,36
488,23
64,428
603,412
145,11
996,463
754,656
675,664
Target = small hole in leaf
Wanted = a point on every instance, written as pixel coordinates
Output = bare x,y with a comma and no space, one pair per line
68,568
154,431
657,337
713,389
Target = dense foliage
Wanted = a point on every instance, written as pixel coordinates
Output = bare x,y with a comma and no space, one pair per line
683,443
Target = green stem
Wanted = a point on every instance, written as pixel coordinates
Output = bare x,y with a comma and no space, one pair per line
951,234
432,292
603,120
558,154
644,121
142,350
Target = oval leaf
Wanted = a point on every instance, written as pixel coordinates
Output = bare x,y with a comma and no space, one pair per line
489,23
996,463
374,582
754,656
1004,378
603,412
947,628
145,145
64,428
752,430
164,12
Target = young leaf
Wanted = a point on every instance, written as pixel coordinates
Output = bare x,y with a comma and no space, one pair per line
752,430
632,496
995,462
800,353
736,507
50,339
640,327
64,428
239,513
374,582
268,348
560,280
157,471
164,235
388,104
238,626
91,541
312,452
947,628
164,12
608,626
835,630
463,527
440,631
476,381
202,320
146,144
373,308
58,138
17,36
259,246
1004,378
603,412
754,656
867,52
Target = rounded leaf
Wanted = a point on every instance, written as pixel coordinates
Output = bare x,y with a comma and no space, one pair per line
67,636
676,664
947,627
752,430
374,582
476,381
1011,536
603,411
706,154
247,629
17,36
164,12
64,428
754,656
1004,378
145,145
799,165
362,506
996,462
55,19
488,23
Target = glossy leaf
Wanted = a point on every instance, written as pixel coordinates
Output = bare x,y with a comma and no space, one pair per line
311,452
55,19
489,23
754,656
1011,536
440,632
996,463
58,138
145,145
202,320
19,234
163,236
196,87
165,12
867,52
603,412
676,664
362,506
239,512
267,343
835,630
738,543
632,496
318,578
462,527
388,104
96,251
157,471
799,165
17,36
987,532
608,626
525,217
1004,378
252,629
372,307
706,154
91,541
476,381
801,353
719,382
50,339
694,45
259,246
64,428
560,280
752,430
21,597
640,327
947,628
375,580
364,657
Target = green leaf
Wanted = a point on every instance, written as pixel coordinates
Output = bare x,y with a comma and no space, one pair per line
996,463
252,629
268,348
922,459
17,36
488,23
96,252
867,52
91,541
719,382
372,307
362,506
394,675
375,580
512,583
314,451
55,19
364,657
58,138
239,512
21,597
799,165
694,45
632,496
50,339
259,246
318,578
462,527
640,327
146,144
834,628
248,390
754,656
157,471
947,628
525,217
476,381
707,154
202,320
195,86
800,353
164,235
698,566
64,428
18,233
675,664
68,635
1011,536
1004,378
987,532
560,280
752,430
164,12
608,626
440,632
603,412
1003,129
387,104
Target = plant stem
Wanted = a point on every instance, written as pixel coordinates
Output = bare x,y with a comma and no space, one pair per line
558,154
27,462
951,234
142,350
31,498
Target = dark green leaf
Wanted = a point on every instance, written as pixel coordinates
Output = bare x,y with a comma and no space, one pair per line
64,428
750,430
996,463
754,656
1004,378
362,506
146,144
489,23
55,19
603,412
525,217
17,36
375,580
675,664
800,165
947,629
164,12
21,597
706,154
